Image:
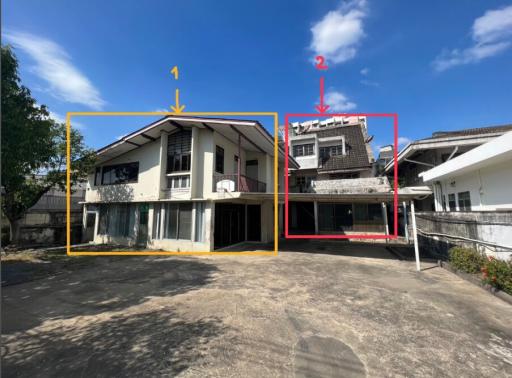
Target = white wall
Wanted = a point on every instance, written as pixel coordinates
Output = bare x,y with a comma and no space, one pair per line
146,189
490,188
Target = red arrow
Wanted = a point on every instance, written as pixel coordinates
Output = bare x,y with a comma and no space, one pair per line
322,108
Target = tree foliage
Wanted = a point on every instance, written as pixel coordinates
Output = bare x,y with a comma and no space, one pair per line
33,146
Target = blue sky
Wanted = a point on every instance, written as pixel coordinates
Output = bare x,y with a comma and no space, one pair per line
440,65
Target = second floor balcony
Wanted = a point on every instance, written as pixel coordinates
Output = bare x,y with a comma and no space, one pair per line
237,183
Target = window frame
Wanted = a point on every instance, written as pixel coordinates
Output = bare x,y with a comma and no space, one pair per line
219,159
462,203
452,199
305,149
108,169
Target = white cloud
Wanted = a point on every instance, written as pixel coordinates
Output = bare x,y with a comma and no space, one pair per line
161,110
53,64
491,35
402,141
338,102
370,83
365,71
337,36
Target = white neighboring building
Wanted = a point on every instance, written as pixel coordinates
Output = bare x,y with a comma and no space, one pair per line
478,180
473,197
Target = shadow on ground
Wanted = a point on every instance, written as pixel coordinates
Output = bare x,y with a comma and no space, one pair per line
155,343
111,283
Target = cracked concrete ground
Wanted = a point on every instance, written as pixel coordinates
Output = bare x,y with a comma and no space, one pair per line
298,314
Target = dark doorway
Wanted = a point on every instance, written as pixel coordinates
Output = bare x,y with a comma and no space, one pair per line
251,169
301,217
142,235
335,217
254,222
90,222
229,224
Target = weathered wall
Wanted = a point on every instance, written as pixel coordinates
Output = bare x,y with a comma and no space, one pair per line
489,227
359,185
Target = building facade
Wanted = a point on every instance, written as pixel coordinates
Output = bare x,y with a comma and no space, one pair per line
424,154
185,184
334,190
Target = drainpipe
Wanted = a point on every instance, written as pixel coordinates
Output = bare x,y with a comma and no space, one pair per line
415,237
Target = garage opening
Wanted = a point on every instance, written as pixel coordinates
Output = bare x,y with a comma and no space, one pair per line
229,224
301,217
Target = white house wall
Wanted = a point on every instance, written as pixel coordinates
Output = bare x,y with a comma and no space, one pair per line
145,189
489,187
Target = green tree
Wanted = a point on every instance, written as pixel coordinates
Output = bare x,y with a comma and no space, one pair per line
33,148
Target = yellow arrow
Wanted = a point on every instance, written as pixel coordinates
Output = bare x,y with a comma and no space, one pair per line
177,109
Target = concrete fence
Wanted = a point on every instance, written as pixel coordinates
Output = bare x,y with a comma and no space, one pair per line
487,231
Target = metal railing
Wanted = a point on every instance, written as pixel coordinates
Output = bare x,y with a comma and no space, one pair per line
230,183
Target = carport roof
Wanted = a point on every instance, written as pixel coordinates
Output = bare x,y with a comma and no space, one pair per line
254,136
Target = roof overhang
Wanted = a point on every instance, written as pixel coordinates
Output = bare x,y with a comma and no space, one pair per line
437,143
253,136
491,153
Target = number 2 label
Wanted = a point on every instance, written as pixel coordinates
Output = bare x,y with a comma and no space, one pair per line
320,65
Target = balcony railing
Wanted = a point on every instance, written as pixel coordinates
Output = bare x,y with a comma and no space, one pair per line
234,183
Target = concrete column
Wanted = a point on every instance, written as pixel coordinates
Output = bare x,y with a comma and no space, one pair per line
415,237
385,217
163,163
194,163
406,225
315,207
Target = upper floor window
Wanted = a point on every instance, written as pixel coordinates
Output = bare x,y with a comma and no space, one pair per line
451,202
120,173
464,201
179,147
304,149
331,151
97,176
219,159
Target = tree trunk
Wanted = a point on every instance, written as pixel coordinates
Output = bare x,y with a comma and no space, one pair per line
15,232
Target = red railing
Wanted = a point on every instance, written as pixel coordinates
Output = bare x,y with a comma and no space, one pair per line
230,183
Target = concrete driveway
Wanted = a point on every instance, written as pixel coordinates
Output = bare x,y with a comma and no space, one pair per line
298,314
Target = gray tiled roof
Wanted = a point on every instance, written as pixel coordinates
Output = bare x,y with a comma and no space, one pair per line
357,154
474,131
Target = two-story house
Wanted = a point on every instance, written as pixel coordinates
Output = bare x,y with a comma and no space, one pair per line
185,184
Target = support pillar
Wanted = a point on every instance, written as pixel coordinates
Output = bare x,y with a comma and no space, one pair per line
385,217
406,225
315,212
415,237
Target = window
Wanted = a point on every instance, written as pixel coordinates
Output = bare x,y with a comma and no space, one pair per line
303,181
219,159
199,233
178,221
464,201
97,176
120,173
156,221
179,146
178,182
117,220
451,202
304,149
331,151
